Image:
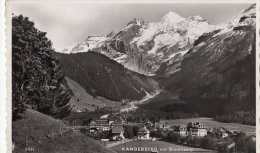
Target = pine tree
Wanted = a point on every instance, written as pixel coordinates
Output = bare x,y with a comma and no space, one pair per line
36,75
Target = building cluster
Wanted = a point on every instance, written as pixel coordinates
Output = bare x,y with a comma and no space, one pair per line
105,124
193,129
162,125
115,125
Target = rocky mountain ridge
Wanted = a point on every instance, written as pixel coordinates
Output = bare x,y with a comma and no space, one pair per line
143,47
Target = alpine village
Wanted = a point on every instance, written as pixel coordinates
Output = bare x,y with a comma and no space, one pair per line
175,85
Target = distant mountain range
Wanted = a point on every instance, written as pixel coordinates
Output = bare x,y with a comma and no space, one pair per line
203,62
143,47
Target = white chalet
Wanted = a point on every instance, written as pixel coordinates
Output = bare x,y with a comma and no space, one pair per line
143,133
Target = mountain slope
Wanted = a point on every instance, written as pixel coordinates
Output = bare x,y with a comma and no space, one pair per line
220,68
101,76
143,47
43,133
81,100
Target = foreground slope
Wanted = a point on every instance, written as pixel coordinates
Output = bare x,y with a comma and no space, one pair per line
101,76
43,133
220,69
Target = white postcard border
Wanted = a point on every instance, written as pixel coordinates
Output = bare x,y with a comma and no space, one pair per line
5,59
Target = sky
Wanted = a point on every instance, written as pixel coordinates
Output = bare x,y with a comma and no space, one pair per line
70,23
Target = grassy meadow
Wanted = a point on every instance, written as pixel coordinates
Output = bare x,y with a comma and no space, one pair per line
81,99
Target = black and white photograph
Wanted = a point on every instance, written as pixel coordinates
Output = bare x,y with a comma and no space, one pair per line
132,77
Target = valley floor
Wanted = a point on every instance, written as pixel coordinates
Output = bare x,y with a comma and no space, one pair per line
133,104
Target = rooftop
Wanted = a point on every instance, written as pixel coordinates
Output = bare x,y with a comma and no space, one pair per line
117,130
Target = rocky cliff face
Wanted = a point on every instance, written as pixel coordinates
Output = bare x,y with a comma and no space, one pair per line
163,42
221,64
143,47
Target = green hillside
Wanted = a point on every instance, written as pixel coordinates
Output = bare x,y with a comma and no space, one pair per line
43,133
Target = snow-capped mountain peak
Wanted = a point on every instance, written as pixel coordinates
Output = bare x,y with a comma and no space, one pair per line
172,17
92,41
143,47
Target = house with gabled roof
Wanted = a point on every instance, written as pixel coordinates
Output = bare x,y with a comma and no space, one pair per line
118,133
143,133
